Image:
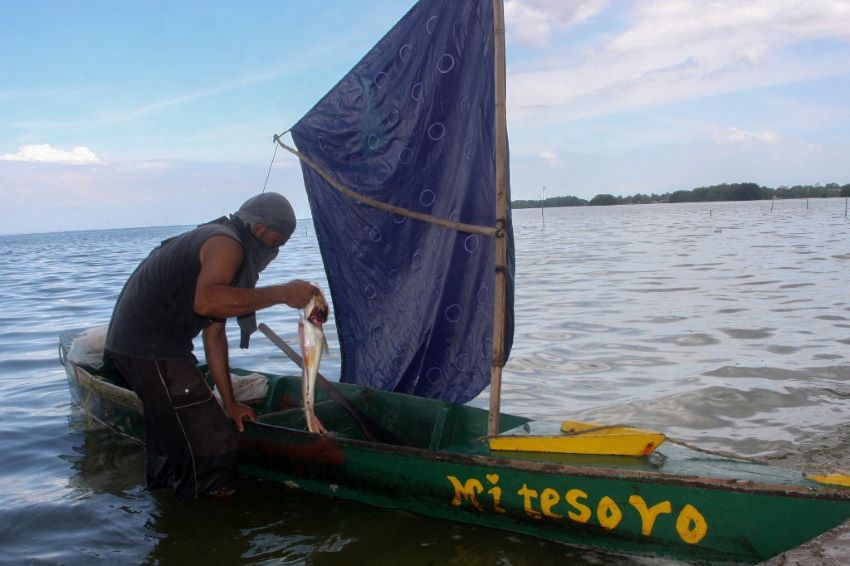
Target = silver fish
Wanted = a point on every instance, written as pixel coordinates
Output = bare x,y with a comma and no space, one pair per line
312,339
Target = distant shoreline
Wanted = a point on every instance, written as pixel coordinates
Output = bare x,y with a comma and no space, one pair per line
713,193
717,193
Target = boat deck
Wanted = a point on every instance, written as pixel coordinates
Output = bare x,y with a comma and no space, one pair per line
670,458
458,429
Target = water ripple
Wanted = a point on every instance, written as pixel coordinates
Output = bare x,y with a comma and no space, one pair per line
730,331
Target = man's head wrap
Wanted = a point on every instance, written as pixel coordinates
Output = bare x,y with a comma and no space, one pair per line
272,210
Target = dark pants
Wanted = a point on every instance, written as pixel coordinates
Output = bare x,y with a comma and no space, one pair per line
190,444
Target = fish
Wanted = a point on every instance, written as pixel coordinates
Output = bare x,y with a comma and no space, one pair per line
313,342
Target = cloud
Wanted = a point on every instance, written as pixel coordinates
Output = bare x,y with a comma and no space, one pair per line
45,153
146,166
531,21
181,99
124,194
675,50
549,156
292,67
732,25
738,136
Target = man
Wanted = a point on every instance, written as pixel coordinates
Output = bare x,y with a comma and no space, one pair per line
189,284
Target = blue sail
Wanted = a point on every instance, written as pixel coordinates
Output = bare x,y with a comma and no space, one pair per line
412,125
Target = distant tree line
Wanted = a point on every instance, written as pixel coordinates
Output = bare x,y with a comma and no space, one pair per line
724,192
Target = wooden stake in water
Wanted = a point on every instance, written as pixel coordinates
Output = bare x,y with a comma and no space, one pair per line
542,199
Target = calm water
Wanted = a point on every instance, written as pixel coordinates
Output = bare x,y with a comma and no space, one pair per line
724,324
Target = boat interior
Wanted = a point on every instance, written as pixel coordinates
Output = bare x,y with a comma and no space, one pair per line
429,424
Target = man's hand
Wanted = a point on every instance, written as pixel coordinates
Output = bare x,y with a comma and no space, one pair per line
239,414
299,293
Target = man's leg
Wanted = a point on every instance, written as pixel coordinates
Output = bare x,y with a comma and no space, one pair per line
139,375
193,443
209,433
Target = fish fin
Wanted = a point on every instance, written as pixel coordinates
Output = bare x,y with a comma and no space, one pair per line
325,348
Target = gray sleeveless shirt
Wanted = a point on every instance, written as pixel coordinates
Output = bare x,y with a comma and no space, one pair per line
154,316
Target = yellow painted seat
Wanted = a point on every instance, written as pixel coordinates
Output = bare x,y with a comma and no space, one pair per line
574,437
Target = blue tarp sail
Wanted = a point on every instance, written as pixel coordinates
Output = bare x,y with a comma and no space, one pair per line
412,125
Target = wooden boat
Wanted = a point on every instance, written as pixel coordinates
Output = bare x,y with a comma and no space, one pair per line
677,502
432,94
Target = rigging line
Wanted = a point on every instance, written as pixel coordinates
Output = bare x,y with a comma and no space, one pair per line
459,226
270,168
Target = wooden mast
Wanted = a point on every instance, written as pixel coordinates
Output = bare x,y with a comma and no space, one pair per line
501,219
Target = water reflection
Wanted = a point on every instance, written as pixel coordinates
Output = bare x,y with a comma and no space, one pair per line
105,463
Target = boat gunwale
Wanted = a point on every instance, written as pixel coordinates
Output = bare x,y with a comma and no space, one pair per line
745,486
551,468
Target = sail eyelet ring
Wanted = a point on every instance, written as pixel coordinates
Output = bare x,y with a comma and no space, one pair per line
446,63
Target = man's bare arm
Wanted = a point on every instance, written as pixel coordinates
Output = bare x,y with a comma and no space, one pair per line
216,298
215,350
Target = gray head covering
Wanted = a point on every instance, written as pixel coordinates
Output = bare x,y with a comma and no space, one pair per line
269,209
273,211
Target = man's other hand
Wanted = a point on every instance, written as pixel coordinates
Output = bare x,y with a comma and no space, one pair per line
240,414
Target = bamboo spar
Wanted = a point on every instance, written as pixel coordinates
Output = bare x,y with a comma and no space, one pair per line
501,218
460,226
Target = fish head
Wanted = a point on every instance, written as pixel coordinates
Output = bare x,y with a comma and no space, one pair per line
317,310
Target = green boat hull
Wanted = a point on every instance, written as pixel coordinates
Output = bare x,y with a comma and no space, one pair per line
678,503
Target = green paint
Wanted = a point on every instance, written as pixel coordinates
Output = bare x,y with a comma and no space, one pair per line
693,506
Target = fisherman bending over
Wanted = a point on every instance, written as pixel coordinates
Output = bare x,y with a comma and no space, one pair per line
189,284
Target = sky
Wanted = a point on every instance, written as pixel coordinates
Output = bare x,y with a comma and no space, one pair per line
125,114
